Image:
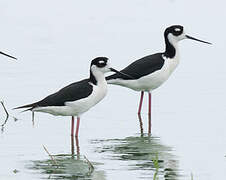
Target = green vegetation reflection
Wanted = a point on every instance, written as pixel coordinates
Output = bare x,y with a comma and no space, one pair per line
145,154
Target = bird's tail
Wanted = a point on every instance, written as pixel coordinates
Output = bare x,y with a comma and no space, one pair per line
28,106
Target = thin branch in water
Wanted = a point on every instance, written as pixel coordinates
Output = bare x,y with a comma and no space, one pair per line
7,117
54,162
7,114
3,125
5,122
91,167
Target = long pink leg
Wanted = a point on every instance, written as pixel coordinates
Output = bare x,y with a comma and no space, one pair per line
77,127
72,125
141,101
149,112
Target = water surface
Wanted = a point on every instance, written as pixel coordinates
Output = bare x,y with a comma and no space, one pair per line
55,41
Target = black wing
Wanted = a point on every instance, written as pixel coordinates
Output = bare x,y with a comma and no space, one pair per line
72,92
141,67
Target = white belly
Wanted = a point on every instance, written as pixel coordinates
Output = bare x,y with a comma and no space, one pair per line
151,81
76,108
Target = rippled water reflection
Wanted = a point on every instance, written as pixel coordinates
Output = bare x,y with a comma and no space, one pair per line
145,154
66,166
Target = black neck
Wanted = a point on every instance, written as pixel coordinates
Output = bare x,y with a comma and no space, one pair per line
170,51
92,78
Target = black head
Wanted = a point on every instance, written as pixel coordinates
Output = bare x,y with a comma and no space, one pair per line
99,66
176,33
100,62
175,30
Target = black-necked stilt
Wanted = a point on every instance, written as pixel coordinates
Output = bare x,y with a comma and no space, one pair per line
7,55
151,71
79,97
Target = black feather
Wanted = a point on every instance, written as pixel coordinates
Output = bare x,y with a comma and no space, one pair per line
141,67
72,92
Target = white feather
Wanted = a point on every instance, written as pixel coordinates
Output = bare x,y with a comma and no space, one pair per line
76,108
155,79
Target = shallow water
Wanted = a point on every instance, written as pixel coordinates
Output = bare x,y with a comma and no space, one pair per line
55,41
145,156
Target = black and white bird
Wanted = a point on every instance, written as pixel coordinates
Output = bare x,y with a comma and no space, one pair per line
7,55
79,97
152,71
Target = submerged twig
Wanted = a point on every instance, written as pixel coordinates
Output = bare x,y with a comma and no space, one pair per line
91,167
6,120
50,155
7,114
3,125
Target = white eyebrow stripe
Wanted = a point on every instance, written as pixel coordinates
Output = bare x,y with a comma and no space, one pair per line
101,62
177,29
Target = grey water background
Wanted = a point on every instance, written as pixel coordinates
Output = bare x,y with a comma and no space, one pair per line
55,40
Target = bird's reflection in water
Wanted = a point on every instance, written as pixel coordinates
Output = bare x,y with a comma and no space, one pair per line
67,166
144,155
141,125
73,147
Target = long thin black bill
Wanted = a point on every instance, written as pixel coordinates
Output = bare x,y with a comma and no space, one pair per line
189,37
128,76
7,55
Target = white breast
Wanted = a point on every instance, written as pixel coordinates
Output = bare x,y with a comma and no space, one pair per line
153,80
76,108
83,105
